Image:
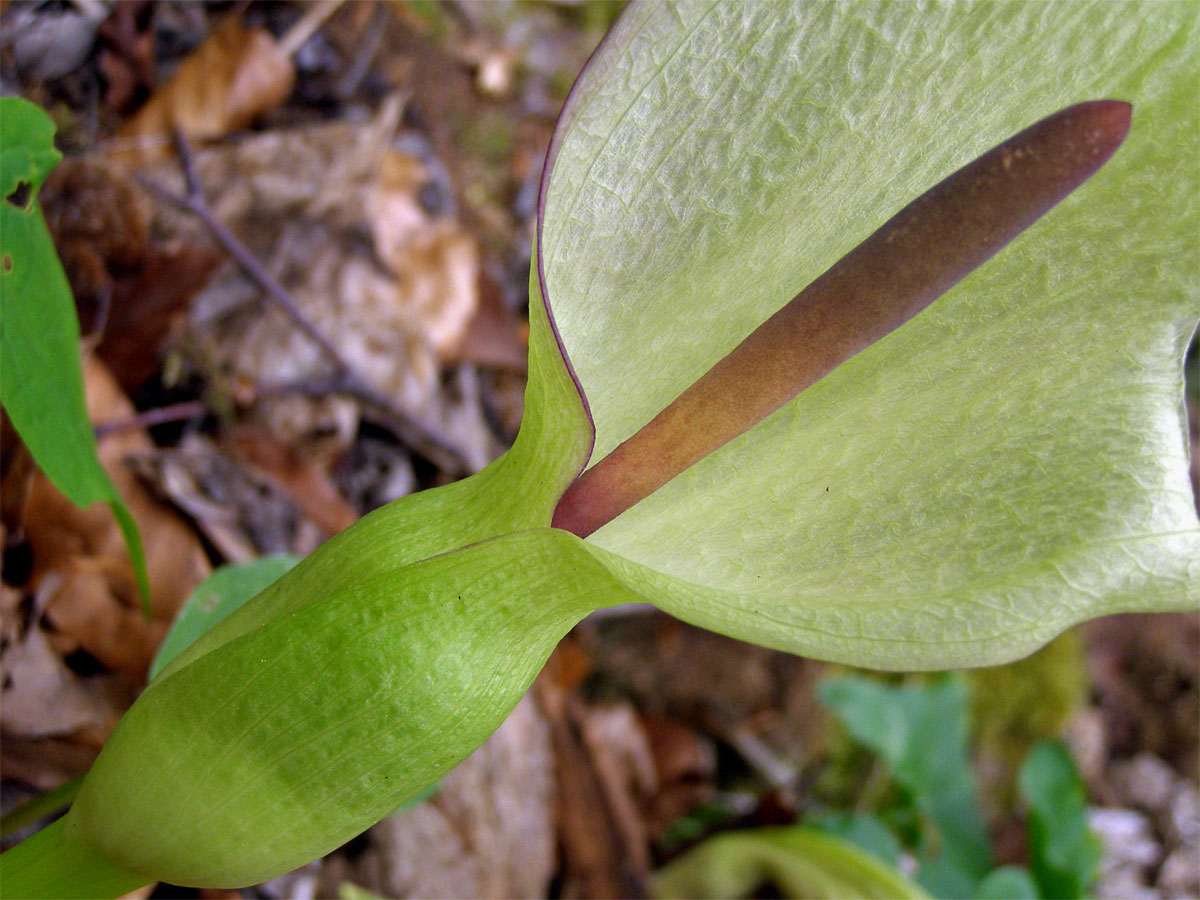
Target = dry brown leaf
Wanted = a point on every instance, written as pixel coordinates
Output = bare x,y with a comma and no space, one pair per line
127,57
487,832
620,755
685,762
115,635
41,696
131,286
44,764
16,475
396,306
84,551
148,306
242,513
303,478
496,337
85,598
603,851
235,76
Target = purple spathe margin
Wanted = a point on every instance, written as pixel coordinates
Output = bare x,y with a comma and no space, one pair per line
592,69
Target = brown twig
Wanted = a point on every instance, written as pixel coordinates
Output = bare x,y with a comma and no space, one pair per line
161,415
347,380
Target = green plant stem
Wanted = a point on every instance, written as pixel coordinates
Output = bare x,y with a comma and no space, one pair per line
52,864
39,807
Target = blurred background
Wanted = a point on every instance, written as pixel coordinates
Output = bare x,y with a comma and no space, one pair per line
380,161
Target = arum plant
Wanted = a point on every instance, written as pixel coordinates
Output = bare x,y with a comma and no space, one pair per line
953,492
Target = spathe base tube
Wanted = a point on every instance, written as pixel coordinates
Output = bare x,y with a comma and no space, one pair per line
53,864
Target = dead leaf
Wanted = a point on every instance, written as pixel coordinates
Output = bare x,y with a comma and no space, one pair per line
115,635
41,696
242,513
44,764
233,78
48,44
84,550
487,832
130,286
396,305
92,210
621,757
603,850
16,475
148,306
685,762
496,337
302,477
127,58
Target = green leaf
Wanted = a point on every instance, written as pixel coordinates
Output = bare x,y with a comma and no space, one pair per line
1007,883
42,386
1065,852
1009,462
221,593
921,734
799,862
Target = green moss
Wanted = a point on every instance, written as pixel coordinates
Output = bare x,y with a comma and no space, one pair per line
1015,706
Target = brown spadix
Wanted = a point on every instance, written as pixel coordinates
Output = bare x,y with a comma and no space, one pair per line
914,258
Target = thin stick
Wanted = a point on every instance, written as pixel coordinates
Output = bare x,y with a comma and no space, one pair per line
408,429
161,415
914,258
309,23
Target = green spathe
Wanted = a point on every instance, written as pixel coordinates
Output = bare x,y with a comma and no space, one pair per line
1010,462
294,737
1007,464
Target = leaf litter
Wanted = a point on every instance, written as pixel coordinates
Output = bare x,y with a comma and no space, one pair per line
389,184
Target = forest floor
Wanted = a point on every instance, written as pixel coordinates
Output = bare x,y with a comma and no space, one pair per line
383,164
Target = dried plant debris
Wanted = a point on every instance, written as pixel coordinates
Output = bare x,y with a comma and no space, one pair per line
230,80
487,831
76,644
79,561
243,514
131,289
339,216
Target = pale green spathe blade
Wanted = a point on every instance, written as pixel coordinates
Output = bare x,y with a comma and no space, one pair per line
1010,462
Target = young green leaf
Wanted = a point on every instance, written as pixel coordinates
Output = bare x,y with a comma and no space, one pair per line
223,592
1065,851
1008,883
42,384
921,734
863,830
